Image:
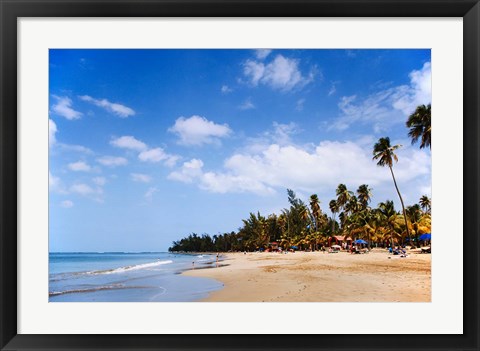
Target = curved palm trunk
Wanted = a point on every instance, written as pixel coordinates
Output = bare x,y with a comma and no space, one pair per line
403,206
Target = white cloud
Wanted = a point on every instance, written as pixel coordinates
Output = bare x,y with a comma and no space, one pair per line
129,142
63,108
197,130
82,189
171,161
247,105
226,89
281,73
79,166
75,148
189,171
149,194
153,155
139,177
309,169
66,204
216,182
52,130
419,92
113,107
112,161
262,54
388,107
100,181
280,134
86,190
55,184
254,71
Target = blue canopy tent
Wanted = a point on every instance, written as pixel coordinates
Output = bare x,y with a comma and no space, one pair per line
426,236
360,241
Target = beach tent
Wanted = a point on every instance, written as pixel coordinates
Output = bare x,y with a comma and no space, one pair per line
427,236
360,241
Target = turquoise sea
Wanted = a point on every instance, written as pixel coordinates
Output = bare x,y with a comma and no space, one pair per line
128,277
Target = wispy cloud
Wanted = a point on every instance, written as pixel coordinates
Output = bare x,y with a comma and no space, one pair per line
153,155
82,189
128,142
66,204
197,130
149,194
262,54
385,108
333,88
139,177
52,130
247,105
281,73
225,89
63,107
112,161
100,181
300,103
79,166
74,148
55,184
113,107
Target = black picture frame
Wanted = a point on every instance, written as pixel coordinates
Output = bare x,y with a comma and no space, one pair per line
11,10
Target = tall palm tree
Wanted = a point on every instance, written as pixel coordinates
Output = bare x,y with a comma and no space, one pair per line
364,194
425,203
384,153
335,209
420,126
315,208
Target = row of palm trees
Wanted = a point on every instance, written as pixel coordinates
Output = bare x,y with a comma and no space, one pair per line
306,226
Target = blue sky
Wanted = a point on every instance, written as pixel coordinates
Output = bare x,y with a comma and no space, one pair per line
147,146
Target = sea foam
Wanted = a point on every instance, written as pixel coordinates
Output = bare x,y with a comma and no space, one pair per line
132,268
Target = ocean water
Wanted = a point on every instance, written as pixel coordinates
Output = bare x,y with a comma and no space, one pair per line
128,277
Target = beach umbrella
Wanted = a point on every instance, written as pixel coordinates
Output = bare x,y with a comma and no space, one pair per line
360,241
427,236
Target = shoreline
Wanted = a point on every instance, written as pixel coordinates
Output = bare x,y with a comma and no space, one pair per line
320,277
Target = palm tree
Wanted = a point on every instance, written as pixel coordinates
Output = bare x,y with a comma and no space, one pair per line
384,153
415,216
364,195
389,215
353,205
334,208
425,204
343,195
420,126
315,208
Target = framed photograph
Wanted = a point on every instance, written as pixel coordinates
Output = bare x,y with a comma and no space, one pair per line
183,175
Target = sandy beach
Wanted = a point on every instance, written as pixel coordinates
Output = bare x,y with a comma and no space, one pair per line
321,277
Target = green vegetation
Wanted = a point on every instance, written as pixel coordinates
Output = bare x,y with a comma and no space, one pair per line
307,227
